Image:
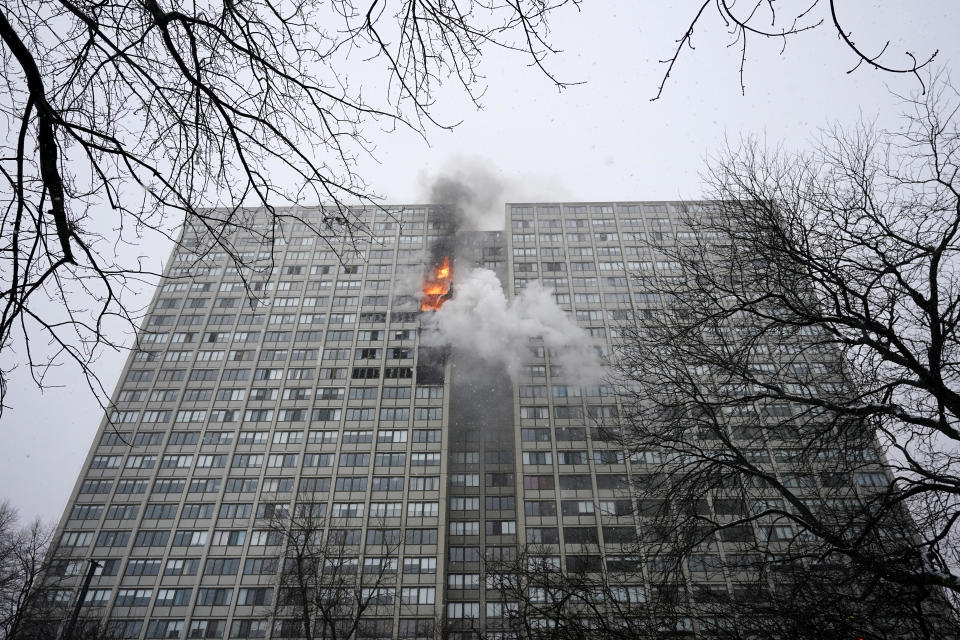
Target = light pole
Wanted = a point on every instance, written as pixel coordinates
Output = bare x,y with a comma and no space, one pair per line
68,630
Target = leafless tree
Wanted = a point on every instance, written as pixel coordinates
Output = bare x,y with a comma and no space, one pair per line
32,602
647,594
792,401
22,552
330,585
759,20
579,596
127,119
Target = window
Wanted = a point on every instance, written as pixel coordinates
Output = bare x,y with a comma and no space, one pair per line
425,483
207,628
212,461
94,597
383,536
133,597
388,414
259,567
580,535
500,503
177,567
387,483
501,527
317,460
539,483
325,414
354,459
254,596
277,485
535,435
571,457
155,417
188,538
249,628
871,479
575,482
247,461
420,536
425,460
502,609
213,596
542,535
196,510
183,438
322,437
357,437
464,504
540,508
124,628
534,413
463,580
419,565
427,435
428,413
160,511
115,438
538,457
112,539
390,460
349,483
142,568
570,434
240,510
90,512
106,462
126,486
391,436
176,462
365,373
221,566
344,537
78,539
465,479
457,610
283,460
465,528
173,598
147,538
240,485
418,595
347,509
499,479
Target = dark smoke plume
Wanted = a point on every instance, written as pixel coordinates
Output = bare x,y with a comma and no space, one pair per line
474,192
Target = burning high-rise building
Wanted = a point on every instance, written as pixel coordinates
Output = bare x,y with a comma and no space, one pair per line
338,403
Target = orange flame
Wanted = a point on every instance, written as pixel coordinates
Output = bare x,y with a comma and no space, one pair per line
437,286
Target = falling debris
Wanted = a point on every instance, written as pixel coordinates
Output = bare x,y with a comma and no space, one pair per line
437,286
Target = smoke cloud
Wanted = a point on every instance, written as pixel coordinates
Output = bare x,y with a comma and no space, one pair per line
474,191
477,191
481,320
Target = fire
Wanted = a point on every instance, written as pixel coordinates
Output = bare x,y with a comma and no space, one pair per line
437,286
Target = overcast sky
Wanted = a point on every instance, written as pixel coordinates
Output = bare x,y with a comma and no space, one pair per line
603,140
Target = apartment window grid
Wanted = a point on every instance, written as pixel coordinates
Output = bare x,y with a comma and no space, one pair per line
583,510
253,418
218,421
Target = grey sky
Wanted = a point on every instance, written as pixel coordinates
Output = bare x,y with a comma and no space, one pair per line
603,140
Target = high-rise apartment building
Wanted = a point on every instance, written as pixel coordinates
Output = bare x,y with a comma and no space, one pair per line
318,397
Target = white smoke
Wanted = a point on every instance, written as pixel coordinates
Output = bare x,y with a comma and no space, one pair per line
480,319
